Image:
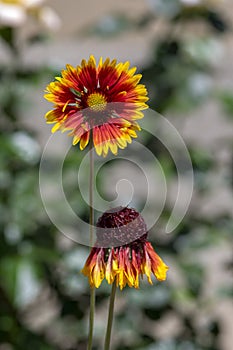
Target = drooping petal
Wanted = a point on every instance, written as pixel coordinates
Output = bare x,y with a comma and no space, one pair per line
84,140
98,271
158,267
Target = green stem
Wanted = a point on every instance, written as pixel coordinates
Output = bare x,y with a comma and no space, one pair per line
110,317
91,193
91,223
91,318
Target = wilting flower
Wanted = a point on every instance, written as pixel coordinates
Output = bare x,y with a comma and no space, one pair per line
122,252
101,103
15,12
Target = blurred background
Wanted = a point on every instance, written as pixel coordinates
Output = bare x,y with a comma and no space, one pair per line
184,49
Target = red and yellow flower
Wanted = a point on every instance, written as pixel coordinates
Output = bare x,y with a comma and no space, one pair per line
122,252
98,102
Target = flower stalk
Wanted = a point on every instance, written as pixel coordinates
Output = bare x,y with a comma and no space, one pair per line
91,223
110,317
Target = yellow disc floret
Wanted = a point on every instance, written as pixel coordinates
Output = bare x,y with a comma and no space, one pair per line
97,102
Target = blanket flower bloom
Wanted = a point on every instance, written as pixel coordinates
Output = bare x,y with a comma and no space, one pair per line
114,259
98,102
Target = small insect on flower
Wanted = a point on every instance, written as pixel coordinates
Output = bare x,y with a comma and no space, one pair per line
101,103
122,252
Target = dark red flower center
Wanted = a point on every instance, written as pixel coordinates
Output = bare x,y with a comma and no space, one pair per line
120,226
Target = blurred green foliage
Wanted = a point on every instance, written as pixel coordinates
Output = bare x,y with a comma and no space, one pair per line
44,302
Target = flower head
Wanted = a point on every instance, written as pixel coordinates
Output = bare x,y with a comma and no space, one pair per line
128,254
100,102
